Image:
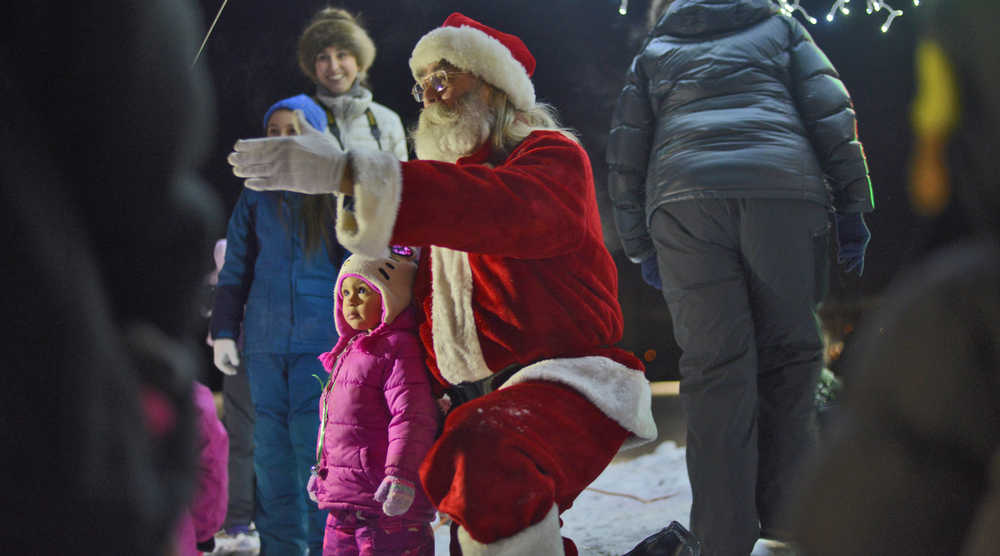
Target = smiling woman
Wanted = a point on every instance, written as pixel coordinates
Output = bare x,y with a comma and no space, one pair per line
332,35
336,69
335,52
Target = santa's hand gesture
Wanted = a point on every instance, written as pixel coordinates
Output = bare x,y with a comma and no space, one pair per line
311,162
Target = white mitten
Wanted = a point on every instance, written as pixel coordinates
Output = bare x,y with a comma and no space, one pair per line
225,355
311,487
310,163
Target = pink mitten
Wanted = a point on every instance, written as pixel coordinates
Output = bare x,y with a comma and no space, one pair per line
395,494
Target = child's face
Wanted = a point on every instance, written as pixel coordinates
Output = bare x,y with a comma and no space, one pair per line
362,306
282,123
336,69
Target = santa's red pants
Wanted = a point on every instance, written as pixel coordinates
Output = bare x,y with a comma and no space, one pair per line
505,458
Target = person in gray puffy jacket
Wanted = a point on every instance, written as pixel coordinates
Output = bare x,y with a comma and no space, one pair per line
732,140
378,417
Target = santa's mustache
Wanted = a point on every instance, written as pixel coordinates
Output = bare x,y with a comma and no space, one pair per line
449,133
442,114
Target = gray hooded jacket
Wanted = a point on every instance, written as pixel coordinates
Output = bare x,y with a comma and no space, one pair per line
731,99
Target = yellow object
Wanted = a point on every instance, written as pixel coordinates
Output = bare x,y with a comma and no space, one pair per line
934,116
936,108
220,408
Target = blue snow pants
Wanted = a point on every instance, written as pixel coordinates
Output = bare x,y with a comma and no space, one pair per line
286,400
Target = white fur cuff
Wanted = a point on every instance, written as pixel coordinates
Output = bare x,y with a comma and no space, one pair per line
540,539
378,190
621,393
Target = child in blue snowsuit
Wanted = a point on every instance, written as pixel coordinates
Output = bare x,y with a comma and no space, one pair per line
281,263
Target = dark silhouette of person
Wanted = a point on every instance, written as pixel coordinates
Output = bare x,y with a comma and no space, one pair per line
914,465
106,222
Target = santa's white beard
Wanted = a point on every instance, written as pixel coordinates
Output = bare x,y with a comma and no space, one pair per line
448,134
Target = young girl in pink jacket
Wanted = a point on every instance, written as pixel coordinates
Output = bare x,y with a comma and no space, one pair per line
196,529
378,417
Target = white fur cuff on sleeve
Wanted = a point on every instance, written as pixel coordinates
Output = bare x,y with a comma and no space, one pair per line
378,189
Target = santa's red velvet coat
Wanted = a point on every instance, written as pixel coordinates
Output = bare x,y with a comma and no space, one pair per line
516,271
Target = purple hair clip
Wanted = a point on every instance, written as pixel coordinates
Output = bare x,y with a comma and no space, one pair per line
402,250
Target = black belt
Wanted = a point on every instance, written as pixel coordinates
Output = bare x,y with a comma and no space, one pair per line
470,390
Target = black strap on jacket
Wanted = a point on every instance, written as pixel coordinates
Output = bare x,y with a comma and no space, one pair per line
373,126
335,129
470,390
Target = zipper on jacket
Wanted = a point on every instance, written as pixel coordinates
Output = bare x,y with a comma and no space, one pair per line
324,409
291,264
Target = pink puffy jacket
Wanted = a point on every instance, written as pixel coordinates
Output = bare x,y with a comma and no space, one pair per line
208,510
381,416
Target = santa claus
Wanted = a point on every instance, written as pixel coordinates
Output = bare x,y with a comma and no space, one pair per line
518,293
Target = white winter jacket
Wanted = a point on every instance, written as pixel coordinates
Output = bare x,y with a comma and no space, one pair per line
349,112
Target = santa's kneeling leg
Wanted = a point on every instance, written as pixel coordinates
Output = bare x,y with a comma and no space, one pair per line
509,462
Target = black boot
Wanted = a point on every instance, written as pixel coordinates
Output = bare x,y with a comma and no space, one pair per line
672,540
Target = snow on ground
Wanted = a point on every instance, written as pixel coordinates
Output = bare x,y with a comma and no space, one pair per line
606,521
631,500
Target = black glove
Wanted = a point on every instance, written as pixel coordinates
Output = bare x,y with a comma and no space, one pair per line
852,240
651,272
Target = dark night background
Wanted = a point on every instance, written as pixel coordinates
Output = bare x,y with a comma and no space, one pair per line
583,48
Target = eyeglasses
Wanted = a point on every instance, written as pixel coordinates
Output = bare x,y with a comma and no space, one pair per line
436,81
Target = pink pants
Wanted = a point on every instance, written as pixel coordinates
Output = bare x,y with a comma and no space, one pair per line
350,533
504,459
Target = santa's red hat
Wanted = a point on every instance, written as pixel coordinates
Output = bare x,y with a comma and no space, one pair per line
500,59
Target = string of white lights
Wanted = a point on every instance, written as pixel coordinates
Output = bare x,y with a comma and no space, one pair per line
790,7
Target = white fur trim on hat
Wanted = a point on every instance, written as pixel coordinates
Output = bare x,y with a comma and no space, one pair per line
473,50
539,539
378,191
621,393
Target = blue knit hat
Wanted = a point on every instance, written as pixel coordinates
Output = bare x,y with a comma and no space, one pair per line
314,114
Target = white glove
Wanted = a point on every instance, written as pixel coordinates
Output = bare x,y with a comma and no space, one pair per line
310,163
311,487
225,355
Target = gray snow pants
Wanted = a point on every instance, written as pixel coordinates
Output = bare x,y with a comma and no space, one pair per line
238,418
742,279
